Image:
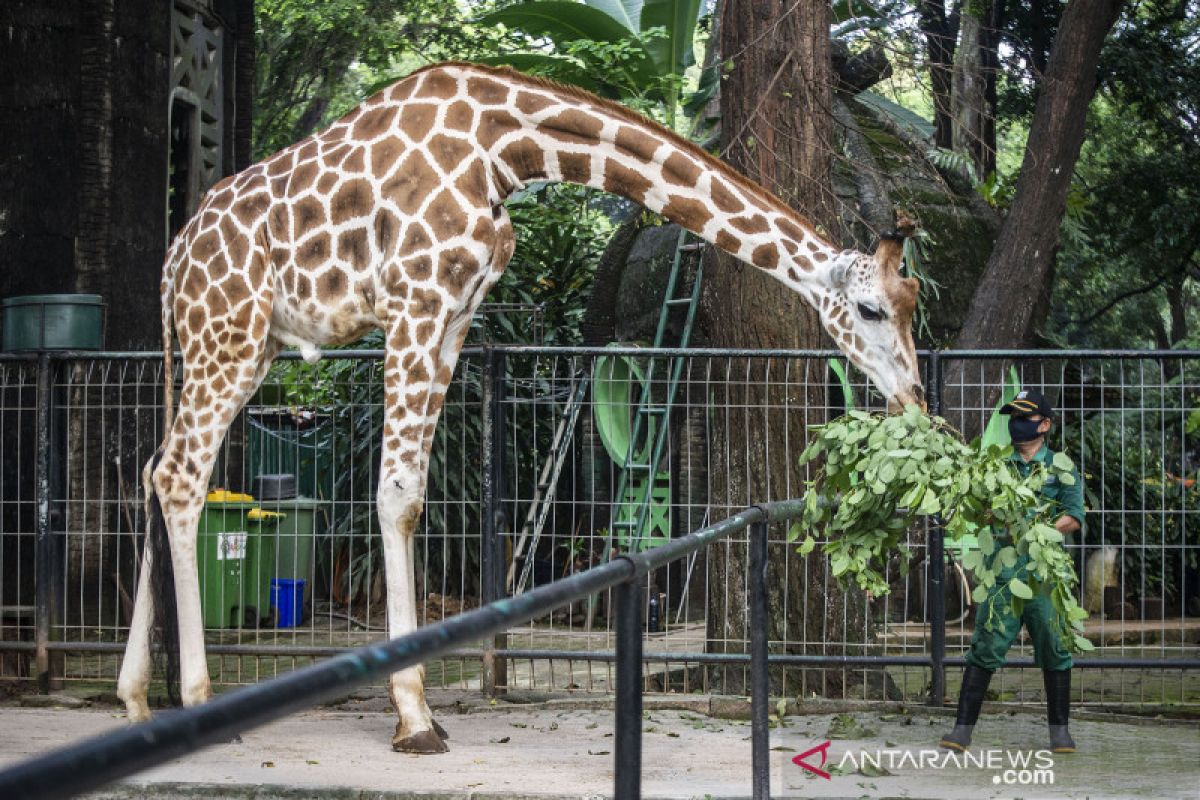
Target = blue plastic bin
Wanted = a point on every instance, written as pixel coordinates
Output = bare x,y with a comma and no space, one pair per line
287,597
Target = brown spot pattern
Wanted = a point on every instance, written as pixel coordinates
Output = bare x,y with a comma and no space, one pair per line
352,248
374,122
728,242
353,200
575,167
415,238
313,253
424,303
417,120
418,268
494,124
456,267
411,183
445,216
438,85
637,143
530,103
487,92
753,224
307,214
687,212
460,116
573,126
384,154
386,227
625,182
448,151
724,199
331,286
524,157
765,256
681,170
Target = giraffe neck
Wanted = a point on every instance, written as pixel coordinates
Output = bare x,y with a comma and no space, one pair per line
546,132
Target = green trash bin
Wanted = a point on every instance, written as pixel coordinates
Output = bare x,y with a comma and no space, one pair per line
295,541
235,556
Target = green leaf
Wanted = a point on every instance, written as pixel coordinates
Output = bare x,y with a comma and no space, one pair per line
807,546
1020,589
979,593
986,545
1083,644
561,21
1008,557
626,12
1063,461
671,54
549,66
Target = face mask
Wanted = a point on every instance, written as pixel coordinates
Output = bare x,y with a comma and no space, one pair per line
1023,429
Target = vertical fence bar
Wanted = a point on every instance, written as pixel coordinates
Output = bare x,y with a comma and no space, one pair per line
627,773
760,685
44,561
491,550
937,566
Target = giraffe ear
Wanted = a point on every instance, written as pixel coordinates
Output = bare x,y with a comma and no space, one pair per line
838,274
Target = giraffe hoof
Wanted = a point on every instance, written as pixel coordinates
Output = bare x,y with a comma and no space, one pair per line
439,730
422,743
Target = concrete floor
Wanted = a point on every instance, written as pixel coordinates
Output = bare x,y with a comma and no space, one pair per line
555,748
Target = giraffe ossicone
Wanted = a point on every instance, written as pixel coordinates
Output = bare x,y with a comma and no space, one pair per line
393,218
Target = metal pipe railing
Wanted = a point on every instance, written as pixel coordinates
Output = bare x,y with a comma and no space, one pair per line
101,760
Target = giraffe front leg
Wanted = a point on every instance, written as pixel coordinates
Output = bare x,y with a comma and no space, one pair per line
400,502
400,498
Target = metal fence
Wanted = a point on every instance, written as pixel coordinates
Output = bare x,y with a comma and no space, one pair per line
548,460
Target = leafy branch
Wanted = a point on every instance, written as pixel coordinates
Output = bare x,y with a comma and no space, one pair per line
882,474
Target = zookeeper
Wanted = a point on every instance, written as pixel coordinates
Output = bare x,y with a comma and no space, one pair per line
1030,419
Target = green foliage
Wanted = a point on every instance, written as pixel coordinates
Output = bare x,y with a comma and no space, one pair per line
1128,262
1137,463
633,50
316,61
882,474
561,234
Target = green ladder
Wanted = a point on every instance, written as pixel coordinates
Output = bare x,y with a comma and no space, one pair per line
633,522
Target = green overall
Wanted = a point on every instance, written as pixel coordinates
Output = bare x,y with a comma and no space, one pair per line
989,648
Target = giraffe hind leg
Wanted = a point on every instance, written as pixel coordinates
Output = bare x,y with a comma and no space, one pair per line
137,665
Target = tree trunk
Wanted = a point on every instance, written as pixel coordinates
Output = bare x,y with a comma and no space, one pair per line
969,89
973,96
990,50
1020,272
776,127
940,28
243,121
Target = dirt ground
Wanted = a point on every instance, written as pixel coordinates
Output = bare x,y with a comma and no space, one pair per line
536,746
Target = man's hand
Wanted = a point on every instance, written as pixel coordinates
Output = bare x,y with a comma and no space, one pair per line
1066,524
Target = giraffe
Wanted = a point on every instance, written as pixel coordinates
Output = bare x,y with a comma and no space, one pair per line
393,218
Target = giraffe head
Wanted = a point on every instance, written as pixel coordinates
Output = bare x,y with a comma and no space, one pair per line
869,314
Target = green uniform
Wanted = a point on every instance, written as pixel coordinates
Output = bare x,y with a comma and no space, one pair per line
989,648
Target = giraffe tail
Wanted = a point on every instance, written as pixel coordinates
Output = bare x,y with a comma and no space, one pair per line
162,587
162,569
168,345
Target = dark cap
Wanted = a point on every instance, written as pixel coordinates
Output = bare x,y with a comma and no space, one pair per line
1027,403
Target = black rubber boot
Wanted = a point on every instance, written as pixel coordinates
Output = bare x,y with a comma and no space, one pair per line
1058,709
970,698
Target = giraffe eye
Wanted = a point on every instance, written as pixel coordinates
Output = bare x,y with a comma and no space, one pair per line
871,313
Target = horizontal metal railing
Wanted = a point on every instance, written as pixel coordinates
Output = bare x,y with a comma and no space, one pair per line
99,761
